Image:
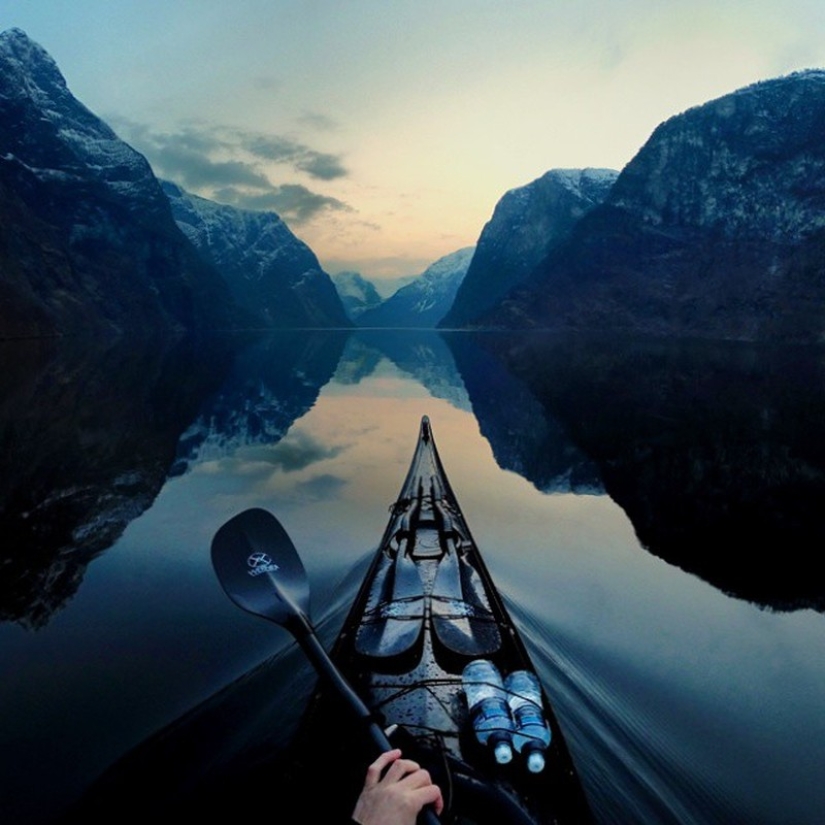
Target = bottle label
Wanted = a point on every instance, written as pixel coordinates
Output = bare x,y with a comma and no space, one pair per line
529,715
494,708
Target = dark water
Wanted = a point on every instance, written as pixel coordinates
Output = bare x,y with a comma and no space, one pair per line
651,515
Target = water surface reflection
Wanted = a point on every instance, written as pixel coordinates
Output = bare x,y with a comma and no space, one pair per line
715,451
681,704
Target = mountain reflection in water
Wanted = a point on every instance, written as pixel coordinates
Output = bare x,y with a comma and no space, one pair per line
716,452
88,434
681,703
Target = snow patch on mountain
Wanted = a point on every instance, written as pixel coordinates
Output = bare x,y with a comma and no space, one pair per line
272,274
32,77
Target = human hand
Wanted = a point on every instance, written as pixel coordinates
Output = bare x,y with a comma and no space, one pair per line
396,797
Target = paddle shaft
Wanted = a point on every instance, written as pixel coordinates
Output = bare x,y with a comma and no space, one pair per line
298,625
303,632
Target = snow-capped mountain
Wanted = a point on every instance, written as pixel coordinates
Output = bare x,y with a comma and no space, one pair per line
526,224
272,274
356,292
716,228
87,239
424,302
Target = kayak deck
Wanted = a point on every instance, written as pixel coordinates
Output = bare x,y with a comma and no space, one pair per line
427,608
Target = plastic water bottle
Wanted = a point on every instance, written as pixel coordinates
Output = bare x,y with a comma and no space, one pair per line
532,735
489,711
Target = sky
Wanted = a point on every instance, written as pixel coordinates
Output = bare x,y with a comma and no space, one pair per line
385,131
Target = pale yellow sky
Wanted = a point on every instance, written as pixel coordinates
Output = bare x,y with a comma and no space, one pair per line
384,132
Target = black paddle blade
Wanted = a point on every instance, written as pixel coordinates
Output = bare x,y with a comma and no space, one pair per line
259,568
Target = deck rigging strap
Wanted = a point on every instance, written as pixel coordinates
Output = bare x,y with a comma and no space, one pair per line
457,604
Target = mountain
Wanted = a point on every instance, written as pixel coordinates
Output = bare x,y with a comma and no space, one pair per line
424,302
715,229
527,223
356,292
271,273
87,238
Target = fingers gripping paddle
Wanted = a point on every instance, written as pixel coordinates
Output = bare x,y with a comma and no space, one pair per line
260,570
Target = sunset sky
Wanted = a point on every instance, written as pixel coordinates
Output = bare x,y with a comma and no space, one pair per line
384,131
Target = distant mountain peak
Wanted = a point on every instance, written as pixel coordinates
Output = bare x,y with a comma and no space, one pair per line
52,133
423,302
748,164
358,294
15,44
31,73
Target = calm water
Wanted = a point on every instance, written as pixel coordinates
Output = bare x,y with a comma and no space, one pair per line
686,666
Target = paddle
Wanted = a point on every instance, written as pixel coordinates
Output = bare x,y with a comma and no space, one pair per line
260,570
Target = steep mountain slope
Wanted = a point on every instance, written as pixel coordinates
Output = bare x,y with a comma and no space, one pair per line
87,239
271,273
527,223
423,302
714,229
356,292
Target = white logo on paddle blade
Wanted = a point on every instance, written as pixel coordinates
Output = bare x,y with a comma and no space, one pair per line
260,563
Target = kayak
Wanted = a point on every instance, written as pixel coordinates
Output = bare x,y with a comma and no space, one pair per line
427,609
427,631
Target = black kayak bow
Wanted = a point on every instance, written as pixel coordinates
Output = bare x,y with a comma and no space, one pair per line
260,570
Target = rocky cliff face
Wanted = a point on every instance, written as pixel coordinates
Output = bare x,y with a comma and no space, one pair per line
714,229
424,302
272,274
87,239
527,224
749,165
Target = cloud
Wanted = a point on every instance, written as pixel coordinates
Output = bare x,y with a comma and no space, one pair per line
315,120
321,488
197,171
322,166
278,149
293,202
297,452
270,147
268,83
229,165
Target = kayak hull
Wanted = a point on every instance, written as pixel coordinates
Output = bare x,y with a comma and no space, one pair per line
427,607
